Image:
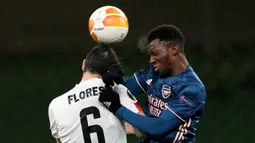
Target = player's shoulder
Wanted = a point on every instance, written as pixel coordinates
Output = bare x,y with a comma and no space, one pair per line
52,105
61,100
58,101
148,70
191,76
195,92
190,81
192,86
187,79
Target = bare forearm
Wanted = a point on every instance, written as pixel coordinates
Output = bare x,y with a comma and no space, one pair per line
132,130
58,141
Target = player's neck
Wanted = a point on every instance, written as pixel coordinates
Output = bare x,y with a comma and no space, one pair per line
88,75
179,66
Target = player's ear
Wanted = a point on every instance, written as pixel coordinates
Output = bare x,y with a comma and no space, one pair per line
174,50
83,65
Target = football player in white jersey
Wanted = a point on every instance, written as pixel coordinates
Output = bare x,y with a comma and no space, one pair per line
78,117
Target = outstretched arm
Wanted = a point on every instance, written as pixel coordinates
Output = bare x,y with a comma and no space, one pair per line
137,83
132,130
150,125
170,118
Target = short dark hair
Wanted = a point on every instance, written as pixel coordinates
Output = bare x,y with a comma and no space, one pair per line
167,33
100,59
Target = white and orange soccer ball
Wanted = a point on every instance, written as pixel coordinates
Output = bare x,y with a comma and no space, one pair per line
108,24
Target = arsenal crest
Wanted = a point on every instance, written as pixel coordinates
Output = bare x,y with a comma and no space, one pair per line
166,91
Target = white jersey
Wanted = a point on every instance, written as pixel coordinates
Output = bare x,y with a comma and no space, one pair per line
78,117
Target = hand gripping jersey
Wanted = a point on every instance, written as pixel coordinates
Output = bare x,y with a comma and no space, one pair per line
173,108
78,117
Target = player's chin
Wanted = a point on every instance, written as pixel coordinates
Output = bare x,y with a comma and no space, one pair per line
158,69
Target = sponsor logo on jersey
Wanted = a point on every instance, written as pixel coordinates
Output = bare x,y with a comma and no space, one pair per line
166,91
156,105
187,101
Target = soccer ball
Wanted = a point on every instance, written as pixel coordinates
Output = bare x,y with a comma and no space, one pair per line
108,24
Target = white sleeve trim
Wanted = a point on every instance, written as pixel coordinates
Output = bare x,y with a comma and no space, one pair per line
139,83
176,114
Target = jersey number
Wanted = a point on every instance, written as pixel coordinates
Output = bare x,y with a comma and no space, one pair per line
86,129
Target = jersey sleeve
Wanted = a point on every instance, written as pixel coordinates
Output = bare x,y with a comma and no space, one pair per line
171,118
137,83
127,99
53,124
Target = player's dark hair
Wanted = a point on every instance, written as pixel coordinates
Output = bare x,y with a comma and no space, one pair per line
100,59
168,33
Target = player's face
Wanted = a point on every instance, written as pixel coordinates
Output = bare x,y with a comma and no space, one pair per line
159,56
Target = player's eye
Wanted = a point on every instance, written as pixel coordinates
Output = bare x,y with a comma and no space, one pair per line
153,53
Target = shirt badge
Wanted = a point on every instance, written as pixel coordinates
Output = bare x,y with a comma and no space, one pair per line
166,91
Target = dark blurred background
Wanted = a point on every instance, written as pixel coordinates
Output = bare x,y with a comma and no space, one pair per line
43,42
